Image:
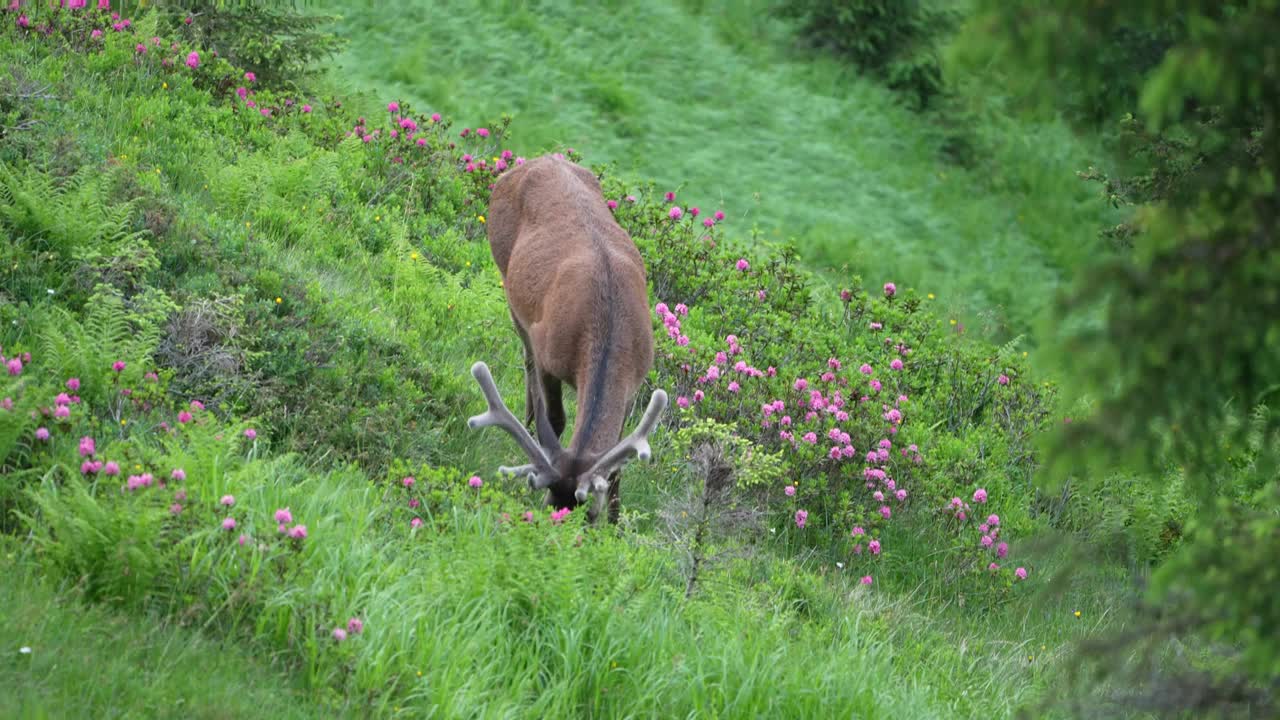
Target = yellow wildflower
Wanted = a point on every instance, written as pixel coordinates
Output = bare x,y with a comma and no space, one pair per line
480,218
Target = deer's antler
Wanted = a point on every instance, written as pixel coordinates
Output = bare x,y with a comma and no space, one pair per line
637,443
539,470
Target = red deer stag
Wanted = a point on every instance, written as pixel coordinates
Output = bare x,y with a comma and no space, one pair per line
575,286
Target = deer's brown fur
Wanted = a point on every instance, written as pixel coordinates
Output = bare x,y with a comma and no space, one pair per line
576,289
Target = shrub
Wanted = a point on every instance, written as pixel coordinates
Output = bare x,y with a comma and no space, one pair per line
895,40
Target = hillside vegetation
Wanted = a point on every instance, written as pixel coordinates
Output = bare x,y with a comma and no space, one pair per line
794,146
236,320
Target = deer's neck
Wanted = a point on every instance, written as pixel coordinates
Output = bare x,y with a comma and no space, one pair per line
602,407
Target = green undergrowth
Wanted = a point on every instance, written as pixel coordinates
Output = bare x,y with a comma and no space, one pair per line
237,325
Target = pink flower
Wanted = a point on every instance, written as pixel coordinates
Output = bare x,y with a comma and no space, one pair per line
896,364
178,474
1021,573
193,60
802,517
62,411
482,132
184,417
475,481
435,117
355,626
42,434
682,402
73,384
733,386
229,524
250,433
15,366
993,520
865,369
698,395
228,500
1002,549
1003,379
414,503
283,516
393,106
993,567
23,22
95,34
242,539
719,216
980,495
790,490
901,495
104,4
890,289
743,265
866,580
417,522
613,204
306,108
338,633
111,469
675,213
408,481
858,532
559,515
670,196
298,532
987,541
242,92
118,365
885,511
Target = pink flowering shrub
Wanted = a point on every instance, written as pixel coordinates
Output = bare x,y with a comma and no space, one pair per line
847,389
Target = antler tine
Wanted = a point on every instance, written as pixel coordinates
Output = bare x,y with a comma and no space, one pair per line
637,442
539,472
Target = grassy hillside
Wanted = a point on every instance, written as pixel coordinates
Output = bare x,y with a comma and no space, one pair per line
236,336
708,97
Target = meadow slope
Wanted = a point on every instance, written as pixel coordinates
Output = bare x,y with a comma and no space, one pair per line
710,97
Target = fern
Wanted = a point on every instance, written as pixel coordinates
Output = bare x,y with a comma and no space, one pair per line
64,216
110,331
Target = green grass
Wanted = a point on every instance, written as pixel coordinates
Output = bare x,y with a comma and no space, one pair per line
708,99
91,661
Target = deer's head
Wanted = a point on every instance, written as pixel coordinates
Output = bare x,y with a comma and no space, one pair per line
570,479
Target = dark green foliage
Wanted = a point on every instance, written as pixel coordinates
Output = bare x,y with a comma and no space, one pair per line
1177,339
896,40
